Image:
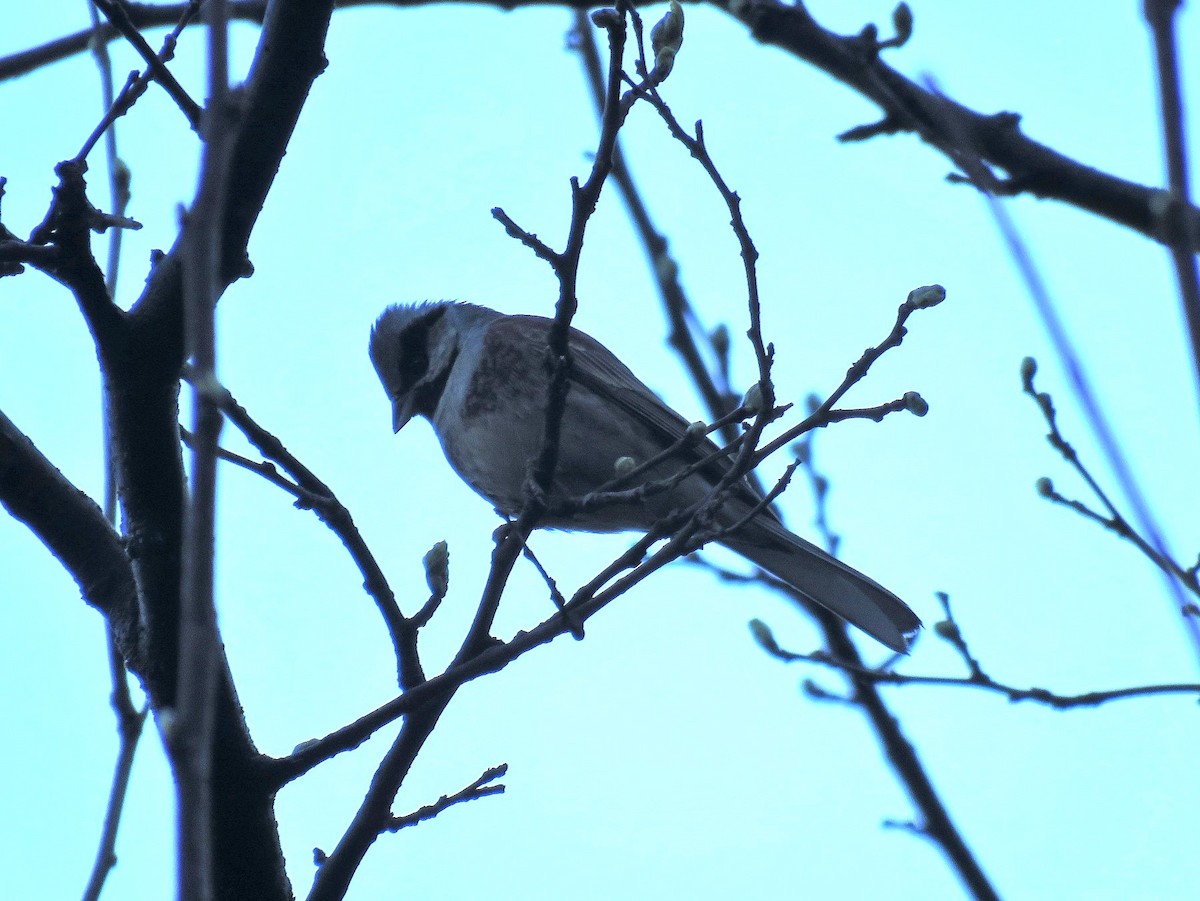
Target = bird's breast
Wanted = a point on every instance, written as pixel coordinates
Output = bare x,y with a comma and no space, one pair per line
490,425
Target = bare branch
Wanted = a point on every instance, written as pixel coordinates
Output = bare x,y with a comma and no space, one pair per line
73,528
115,12
312,493
1071,361
1113,520
129,729
882,676
477,789
824,414
337,869
60,246
1033,168
135,87
718,398
566,268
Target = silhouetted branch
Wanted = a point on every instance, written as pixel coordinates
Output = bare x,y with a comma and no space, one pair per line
825,413
114,11
1112,519
584,198
854,60
129,731
884,676
74,530
312,493
680,314
189,738
1064,346
135,87
1032,168
477,789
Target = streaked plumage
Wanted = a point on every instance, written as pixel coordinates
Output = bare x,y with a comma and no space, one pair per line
480,378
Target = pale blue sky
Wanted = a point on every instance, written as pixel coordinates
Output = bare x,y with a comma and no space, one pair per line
665,754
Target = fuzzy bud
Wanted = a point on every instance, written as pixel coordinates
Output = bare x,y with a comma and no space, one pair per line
122,177
926,297
947,629
902,21
606,18
762,634
1028,369
915,404
437,569
1044,487
696,431
666,38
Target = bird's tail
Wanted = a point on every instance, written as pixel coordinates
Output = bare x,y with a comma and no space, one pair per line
859,600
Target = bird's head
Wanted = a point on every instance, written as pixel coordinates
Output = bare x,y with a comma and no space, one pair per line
413,347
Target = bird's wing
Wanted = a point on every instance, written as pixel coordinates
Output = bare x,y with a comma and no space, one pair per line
597,369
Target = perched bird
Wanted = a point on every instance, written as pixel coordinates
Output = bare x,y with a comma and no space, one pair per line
481,378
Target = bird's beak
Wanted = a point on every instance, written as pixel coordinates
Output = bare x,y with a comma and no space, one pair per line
401,411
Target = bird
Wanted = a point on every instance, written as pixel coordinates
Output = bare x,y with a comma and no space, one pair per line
481,378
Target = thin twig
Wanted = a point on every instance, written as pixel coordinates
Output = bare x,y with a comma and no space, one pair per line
763,354
312,493
1114,520
899,749
887,676
556,596
338,868
129,731
587,601
1071,362
118,16
566,268
824,414
1033,168
477,789
818,484
129,720
718,398
135,87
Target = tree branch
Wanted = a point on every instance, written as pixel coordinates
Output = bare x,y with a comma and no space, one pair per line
312,493
948,630
477,789
129,730
1032,168
74,530
115,12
